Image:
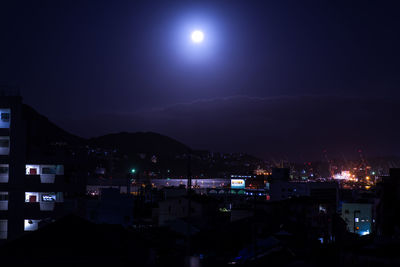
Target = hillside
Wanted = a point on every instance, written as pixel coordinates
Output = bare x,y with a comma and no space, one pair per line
43,134
140,142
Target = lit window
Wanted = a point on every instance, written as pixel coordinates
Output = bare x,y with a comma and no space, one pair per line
32,169
5,117
51,197
31,197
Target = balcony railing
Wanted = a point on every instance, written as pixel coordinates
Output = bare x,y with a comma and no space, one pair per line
44,179
4,178
3,204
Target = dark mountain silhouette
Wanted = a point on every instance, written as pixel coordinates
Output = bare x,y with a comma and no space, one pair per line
42,133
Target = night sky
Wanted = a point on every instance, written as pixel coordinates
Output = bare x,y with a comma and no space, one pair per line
272,78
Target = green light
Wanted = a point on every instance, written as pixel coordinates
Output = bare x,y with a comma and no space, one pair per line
133,170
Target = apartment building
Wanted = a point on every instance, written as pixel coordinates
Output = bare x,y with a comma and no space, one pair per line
31,192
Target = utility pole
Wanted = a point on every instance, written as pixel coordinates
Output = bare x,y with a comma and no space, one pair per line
189,192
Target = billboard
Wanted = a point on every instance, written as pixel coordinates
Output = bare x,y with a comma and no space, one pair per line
238,183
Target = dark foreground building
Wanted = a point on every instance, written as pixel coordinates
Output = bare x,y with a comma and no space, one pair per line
73,241
388,208
33,186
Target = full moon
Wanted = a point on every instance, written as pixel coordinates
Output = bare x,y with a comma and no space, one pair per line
197,36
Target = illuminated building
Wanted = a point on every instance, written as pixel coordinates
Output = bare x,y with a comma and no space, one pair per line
358,217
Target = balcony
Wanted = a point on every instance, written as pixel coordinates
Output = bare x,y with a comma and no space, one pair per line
3,176
48,174
3,201
47,206
3,204
47,178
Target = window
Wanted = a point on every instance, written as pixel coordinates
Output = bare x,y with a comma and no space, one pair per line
44,197
5,117
51,197
4,173
3,196
3,169
3,229
48,170
31,197
3,200
32,169
4,145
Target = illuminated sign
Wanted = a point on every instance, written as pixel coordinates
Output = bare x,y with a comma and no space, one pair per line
238,183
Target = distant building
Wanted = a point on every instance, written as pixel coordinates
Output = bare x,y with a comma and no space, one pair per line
112,208
323,191
203,210
176,208
358,217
